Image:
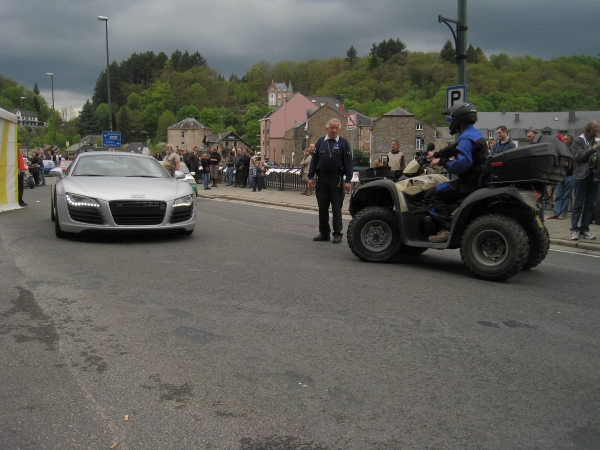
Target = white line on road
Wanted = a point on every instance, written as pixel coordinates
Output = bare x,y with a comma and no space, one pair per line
574,253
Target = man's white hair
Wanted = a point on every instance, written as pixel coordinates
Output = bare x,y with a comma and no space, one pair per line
333,119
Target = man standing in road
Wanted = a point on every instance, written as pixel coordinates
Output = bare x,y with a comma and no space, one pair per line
331,161
171,160
504,142
586,178
396,157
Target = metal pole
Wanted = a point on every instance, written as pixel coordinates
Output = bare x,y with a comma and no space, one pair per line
105,20
53,115
461,70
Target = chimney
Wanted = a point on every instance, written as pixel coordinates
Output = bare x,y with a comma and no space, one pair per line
342,109
516,118
572,115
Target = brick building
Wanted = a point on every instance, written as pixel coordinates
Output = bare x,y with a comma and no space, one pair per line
411,132
279,93
305,133
187,134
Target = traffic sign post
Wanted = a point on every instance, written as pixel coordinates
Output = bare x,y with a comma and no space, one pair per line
111,139
455,94
351,121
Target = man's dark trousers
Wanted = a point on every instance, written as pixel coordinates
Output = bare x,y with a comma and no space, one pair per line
330,190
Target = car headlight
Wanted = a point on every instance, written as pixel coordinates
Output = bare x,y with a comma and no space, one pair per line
183,201
81,200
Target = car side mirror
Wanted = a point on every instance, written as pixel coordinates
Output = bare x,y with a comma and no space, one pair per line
56,172
178,175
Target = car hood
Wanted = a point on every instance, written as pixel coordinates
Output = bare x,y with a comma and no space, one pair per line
120,188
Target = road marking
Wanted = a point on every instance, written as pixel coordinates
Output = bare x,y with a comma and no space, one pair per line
574,253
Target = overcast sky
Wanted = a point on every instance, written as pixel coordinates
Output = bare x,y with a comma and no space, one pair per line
64,36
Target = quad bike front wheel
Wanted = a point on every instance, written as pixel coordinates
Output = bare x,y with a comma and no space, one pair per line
539,243
373,234
494,247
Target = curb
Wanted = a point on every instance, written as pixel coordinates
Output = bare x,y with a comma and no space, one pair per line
575,244
265,202
554,241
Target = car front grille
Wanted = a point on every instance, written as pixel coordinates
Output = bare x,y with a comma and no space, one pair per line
85,214
138,213
182,214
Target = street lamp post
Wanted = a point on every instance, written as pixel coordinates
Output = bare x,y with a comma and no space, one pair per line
51,75
105,20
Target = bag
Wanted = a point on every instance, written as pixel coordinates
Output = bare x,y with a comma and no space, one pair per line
207,169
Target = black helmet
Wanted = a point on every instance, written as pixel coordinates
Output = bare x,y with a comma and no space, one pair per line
461,113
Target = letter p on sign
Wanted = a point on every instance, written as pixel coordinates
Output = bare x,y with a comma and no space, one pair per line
454,95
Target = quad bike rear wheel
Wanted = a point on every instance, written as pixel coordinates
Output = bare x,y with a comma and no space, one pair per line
494,247
539,243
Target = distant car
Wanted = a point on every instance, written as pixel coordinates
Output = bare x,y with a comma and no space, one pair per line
120,191
64,165
48,166
189,177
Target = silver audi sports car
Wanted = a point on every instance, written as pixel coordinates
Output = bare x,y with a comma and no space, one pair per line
120,191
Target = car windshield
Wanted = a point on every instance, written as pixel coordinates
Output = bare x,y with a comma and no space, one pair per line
48,163
118,166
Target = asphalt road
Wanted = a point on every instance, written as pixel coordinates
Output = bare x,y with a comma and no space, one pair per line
248,335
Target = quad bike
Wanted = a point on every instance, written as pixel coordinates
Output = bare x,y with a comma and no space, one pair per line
496,227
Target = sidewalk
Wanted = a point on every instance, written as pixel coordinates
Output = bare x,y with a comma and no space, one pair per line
558,229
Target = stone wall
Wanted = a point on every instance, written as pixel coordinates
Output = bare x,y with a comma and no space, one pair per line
191,139
402,128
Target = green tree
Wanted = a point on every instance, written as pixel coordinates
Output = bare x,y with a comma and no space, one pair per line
252,134
360,158
151,121
165,120
188,111
36,89
123,124
210,117
87,123
351,56
472,56
448,52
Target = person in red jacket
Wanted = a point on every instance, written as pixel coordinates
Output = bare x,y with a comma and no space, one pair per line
22,170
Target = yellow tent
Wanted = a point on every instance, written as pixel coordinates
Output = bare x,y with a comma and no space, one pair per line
9,170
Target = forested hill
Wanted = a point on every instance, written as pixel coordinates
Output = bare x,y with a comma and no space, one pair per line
152,91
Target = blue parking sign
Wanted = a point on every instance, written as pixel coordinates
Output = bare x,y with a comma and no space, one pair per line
111,139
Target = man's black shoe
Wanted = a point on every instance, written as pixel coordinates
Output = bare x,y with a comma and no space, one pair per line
337,239
22,204
321,237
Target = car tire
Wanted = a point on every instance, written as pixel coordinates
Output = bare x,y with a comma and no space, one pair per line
52,216
494,247
373,235
539,243
57,230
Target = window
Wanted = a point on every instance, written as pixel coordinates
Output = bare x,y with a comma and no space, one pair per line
419,141
183,134
419,126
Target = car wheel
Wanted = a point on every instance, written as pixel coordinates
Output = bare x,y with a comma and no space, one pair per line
57,230
373,234
539,243
52,216
494,247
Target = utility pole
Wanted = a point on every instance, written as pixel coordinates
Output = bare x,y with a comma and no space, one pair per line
460,40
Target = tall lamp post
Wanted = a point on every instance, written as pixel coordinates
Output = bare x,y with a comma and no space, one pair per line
105,20
51,75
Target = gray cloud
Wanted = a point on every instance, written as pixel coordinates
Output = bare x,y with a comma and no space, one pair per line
65,37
